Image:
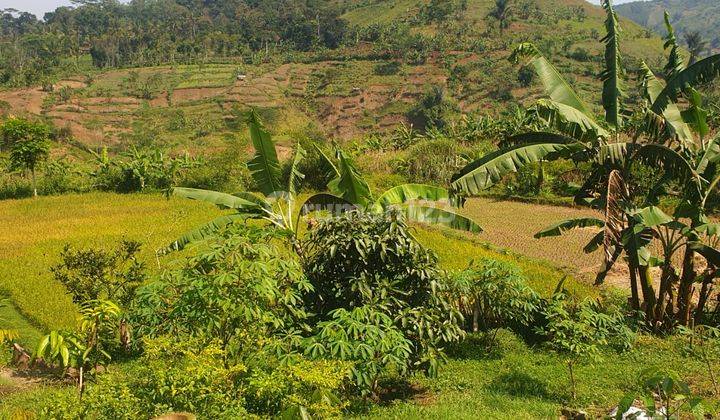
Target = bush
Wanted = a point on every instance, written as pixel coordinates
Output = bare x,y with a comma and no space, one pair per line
493,294
14,187
241,288
433,110
433,161
387,68
92,274
369,274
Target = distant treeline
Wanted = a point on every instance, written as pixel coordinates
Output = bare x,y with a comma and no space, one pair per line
151,32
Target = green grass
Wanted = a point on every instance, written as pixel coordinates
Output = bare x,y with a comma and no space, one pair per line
34,232
520,381
11,319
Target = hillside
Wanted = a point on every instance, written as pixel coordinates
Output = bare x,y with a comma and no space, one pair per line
702,16
392,52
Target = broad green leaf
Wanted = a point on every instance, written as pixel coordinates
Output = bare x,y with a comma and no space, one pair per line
409,192
264,166
436,216
555,85
485,172
712,255
351,186
559,228
295,175
675,62
328,167
711,156
671,116
569,120
699,73
254,198
696,116
651,216
596,242
222,200
612,74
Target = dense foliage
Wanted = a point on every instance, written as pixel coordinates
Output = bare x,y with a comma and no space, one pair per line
368,272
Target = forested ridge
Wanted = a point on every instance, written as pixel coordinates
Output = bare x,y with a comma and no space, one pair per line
144,33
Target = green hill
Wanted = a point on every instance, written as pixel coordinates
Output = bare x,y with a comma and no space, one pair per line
702,16
372,62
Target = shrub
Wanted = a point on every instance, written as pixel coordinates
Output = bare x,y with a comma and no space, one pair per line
241,287
433,109
367,270
577,330
387,68
493,294
91,274
433,161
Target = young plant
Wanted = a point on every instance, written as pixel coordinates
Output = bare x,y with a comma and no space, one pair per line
492,295
578,331
703,343
85,349
674,396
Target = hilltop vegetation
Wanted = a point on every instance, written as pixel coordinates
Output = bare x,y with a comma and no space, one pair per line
688,16
325,66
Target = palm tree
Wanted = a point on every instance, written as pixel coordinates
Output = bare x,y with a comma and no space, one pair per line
695,44
502,12
664,141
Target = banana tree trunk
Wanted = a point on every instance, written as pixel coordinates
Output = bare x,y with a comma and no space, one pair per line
686,290
649,300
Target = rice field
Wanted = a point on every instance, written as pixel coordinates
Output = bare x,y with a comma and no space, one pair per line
512,225
34,232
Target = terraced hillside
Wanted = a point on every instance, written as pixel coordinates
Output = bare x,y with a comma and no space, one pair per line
344,93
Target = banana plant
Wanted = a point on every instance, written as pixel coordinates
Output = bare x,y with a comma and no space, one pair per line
418,202
276,202
630,229
348,191
573,132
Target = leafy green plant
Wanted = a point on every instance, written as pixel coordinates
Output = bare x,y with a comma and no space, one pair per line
674,396
703,343
86,348
95,273
578,330
367,270
493,294
29,145
669,140
242,286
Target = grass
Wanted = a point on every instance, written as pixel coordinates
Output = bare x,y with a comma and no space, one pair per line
521,381
34,232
